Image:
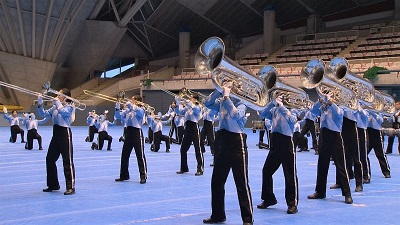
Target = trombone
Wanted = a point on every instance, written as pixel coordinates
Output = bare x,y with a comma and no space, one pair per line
46,89
184,94
120,98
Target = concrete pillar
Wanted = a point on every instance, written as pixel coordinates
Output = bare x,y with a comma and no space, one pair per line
184,49
312,24
269,27
396,10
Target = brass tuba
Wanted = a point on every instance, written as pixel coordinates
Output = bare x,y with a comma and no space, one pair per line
247,87
316,75
362,88
292,97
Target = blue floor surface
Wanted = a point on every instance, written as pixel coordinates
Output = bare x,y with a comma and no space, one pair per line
168,198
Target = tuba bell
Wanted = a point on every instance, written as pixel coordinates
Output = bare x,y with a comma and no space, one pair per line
316,75
247,87
292,97
362,88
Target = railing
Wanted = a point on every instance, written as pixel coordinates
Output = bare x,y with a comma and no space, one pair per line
347,33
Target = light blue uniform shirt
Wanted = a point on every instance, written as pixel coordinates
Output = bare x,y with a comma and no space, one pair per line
362,117
12,120
375,120
231,115
283,120
61,115
132,115
331,116
191,111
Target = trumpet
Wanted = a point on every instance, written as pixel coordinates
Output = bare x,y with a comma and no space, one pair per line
120,98
292,97
316,75
46,89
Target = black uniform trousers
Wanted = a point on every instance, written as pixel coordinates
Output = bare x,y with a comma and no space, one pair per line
33,134
192,134
389,147
92,130
310,126
207,131
362,144
331,145
172,129
352,152
150,135
230,152
103,135
60,144
375,142
296,139
157,138
281,152
15,129
133,140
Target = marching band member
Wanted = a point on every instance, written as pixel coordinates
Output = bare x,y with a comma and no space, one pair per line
14,120
352,153
171,114
156,125
207,131
31,124
123,122
133,116
375,142
267,130
282,152
61,142
309,126
179,121
192,111
91,122
230,152
396,125
331,145
102,126
362,123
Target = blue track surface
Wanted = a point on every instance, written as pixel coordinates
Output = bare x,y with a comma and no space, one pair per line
168,198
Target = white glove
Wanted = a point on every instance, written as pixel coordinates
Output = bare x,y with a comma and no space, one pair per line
40,100
247,115
278,101
4,109
226,91
118,105
324,98
105,111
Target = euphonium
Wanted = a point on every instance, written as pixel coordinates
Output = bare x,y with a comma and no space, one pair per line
362,88
292,97
316,75
247,87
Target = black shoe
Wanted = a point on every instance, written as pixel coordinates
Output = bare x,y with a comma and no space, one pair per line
142,180
248,223
306,150
167,150
146,140
316,153
40,148
359,188
335,186
367,181
121,139
388,153
316,195
292,210
348,200
120,179
70,191
265,204
181,172
198,173
300,150
211,220
387,175
49,189
87,139
94,146
23,141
